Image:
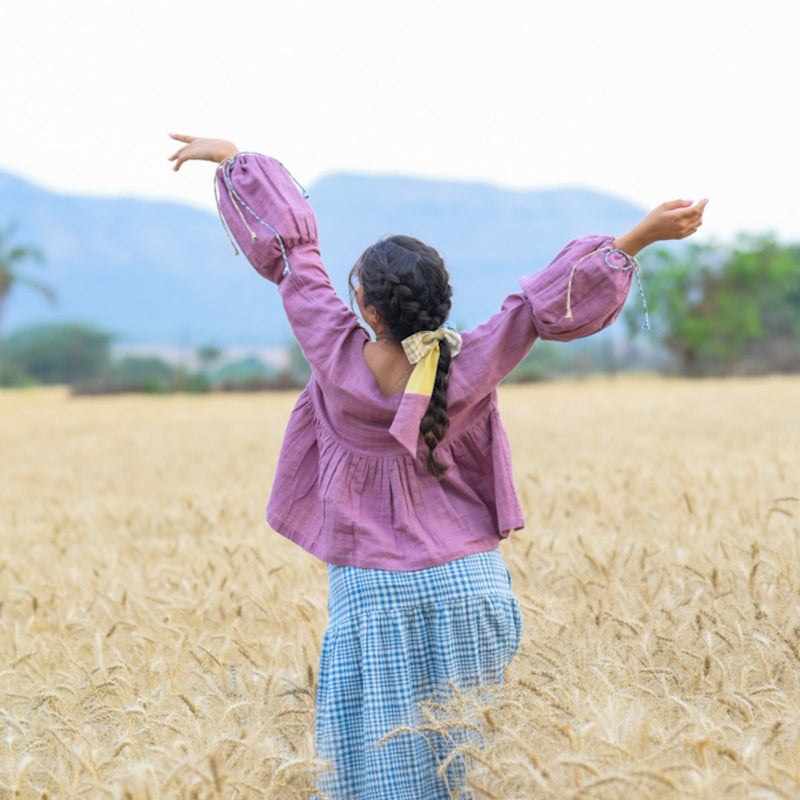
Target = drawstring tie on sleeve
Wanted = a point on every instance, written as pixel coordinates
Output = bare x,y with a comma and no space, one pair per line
238,203
630,263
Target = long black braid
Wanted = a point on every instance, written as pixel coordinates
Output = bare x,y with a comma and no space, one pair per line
407,283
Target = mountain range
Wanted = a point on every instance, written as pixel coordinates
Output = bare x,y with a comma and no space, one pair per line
164,273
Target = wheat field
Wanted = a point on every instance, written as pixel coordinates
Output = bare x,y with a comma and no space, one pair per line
157,640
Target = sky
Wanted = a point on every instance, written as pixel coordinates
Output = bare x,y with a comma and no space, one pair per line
641,100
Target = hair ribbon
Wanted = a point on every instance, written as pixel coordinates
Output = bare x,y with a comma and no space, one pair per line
422,349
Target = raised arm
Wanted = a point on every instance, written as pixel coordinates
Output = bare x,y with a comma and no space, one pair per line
581,292
275,228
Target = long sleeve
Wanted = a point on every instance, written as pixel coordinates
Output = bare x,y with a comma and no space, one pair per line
275,228
582,291
264,211
579,293
348,490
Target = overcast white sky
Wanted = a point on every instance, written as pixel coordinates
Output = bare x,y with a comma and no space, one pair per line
643,100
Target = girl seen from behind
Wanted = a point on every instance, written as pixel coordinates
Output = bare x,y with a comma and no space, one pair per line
395,468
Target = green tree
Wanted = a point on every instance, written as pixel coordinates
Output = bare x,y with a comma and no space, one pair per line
12,257
721,309
138,368
207,355
60,352
778,293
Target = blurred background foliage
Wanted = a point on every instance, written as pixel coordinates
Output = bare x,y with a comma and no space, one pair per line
716,309
727,309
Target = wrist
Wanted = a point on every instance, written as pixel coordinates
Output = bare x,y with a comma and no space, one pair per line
637,238
228,150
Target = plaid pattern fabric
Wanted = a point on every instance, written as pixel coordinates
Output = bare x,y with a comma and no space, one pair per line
395,639
419,344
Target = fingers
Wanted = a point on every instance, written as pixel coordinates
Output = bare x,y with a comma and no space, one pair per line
673,204
674,219
682,218
179,157
691,212
697,212
694,216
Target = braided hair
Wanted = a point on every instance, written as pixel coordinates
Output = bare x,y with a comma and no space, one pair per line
407,283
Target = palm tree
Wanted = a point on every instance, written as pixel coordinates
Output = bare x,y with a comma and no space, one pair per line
11,257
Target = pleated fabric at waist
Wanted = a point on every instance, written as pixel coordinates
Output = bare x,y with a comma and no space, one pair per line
354,591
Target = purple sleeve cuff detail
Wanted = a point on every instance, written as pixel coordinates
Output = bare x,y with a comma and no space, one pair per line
264,211
581,291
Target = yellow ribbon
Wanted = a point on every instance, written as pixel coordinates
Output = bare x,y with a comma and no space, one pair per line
422,349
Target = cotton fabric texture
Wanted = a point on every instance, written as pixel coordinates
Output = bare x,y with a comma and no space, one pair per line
352,486
395,639
419,598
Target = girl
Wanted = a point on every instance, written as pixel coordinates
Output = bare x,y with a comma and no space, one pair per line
395,468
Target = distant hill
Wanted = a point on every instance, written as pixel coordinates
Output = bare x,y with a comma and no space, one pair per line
155,272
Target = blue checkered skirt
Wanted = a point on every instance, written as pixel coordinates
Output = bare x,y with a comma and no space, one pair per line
395,639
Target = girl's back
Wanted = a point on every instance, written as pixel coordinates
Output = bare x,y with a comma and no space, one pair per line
407,513
389,366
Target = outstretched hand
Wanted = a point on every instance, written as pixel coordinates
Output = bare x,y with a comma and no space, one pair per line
675,219
197,148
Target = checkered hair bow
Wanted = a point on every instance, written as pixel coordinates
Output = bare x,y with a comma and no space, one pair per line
422,349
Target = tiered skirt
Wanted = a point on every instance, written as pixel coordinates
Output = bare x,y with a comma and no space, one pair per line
394,640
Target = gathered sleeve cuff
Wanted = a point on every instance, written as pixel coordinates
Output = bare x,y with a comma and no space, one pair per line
264,212
271,221
581,291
